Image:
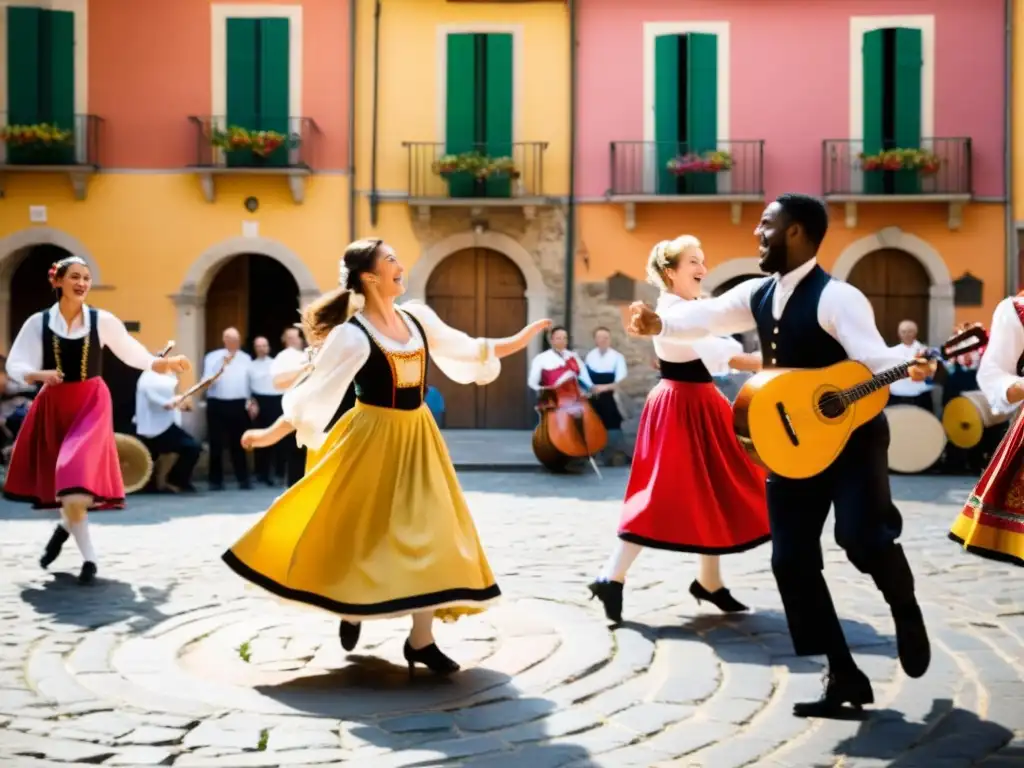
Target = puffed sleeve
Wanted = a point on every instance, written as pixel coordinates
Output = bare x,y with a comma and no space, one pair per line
998,369
26,354
128,349
460,357
311,402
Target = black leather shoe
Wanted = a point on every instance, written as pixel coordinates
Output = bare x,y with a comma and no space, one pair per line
610,595
430,657
912,644
54,546
851,688
88,574
722,599
348,632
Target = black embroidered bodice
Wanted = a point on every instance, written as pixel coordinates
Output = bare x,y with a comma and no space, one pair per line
77,359
393,379
692,372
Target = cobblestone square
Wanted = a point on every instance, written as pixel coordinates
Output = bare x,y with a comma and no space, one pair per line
170,659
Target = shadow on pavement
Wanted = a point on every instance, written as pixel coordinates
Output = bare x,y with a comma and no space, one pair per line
106,601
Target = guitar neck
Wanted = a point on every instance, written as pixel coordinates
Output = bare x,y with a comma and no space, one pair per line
876,382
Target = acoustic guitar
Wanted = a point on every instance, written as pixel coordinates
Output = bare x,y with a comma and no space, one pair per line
795,423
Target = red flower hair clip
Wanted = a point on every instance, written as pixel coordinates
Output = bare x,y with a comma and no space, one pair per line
52,275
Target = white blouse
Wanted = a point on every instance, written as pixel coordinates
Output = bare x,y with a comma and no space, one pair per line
288,362
310,404
998,369
715,352
27,352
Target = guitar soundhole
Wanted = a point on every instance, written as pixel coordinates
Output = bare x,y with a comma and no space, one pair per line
831,405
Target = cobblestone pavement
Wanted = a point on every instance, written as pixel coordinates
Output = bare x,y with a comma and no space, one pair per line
172,660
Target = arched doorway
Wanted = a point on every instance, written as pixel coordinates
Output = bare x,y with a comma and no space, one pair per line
483,293
255,294
898,287
732,282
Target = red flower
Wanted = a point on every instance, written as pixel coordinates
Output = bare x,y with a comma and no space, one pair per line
52,275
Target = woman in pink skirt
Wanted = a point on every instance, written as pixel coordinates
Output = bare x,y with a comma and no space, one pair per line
65,456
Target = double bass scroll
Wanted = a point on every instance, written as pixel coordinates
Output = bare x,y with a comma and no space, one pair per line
569,428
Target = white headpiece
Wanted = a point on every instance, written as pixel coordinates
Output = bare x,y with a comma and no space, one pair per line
342,273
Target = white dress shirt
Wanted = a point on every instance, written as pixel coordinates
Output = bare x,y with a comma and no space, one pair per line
27,351
998,369
261,376
909,387
550,360
714,351
844,313
611,361
152,393
288,362
234,383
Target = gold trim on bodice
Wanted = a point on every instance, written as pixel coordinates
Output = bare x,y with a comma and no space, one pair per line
408,368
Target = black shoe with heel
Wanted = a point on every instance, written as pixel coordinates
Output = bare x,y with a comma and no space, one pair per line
348,633
54,546
610,595
431,657
850,687
88,573
722,599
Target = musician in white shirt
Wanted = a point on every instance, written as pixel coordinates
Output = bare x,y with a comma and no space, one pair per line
553,366
158,424
607,369
229,408
270,462
908,391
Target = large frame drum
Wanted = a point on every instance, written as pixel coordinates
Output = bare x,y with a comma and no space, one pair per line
136,462
966,417
916,439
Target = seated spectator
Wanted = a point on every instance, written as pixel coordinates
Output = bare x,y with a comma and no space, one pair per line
158,425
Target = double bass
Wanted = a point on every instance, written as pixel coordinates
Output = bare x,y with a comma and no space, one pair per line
569,427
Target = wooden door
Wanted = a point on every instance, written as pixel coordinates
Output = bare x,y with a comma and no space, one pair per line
30,290
482,293
227,302
897,286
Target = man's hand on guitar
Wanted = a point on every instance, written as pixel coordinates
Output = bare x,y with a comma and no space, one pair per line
643,321
922,369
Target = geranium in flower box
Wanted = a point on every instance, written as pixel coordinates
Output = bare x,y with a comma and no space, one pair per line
920,160
260,143
39,134
714,161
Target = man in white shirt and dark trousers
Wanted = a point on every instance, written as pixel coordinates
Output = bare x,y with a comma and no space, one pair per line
807,320
908,391
270,462
228,408
607,369
158,425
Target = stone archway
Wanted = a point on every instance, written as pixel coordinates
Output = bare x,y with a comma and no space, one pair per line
730,270
15,245
537,294
941,311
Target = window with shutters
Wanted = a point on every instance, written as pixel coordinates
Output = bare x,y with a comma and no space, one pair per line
479,104
685,109
41,83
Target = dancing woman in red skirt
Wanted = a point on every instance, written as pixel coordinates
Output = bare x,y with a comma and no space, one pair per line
991,523
65,456
691,487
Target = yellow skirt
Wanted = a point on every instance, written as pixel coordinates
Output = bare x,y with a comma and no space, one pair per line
377,527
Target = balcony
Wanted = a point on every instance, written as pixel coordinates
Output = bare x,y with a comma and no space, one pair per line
938,171
283,146
676,172
51,146
477,178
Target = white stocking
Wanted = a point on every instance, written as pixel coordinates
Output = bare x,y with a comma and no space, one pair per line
422,633
622,558
75,520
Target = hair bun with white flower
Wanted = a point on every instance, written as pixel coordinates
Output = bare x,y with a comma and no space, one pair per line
342,273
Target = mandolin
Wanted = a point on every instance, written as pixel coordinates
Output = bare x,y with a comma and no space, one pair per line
795,423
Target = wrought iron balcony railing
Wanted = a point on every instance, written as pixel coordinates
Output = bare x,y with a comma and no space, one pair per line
494,170
258,142
937,167
72,142
728,169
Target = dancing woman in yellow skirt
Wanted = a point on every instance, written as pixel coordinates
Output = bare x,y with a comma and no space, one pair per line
378,526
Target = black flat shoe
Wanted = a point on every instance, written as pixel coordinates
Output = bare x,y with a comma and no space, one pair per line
348,632
430,657
912,645
851,688
54,546
610,595
88,574
720,598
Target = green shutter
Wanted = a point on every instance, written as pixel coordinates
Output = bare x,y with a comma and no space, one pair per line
498,107
272,82
460,108
242,90
23,57
57,78
666,110
701,106
907,114
873,63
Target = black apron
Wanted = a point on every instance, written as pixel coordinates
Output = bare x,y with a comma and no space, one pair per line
604,404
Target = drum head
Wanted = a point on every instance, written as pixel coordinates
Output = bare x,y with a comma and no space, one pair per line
916,439
962,422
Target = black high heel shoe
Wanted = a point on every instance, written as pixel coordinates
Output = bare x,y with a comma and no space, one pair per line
348,633
431,657
54,546
610,595
88,573
720,598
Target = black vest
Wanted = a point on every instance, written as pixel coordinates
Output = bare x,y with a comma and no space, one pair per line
72,351
375,382
797,339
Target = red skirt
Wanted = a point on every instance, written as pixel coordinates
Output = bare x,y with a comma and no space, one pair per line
692,487
66,446
991,523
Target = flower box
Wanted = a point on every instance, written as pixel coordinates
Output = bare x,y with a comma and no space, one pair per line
41,135
261,143
475,165
921,160
707,162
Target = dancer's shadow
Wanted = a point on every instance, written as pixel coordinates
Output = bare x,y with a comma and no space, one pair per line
105,601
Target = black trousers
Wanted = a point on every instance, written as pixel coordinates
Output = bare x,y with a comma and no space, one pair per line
174,439
270,462
867,525
226,421
296,460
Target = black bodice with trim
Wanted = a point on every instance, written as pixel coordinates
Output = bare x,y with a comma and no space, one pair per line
393,379
692,372
72,351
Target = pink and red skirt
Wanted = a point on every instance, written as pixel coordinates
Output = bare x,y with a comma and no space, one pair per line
692,487
66,446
